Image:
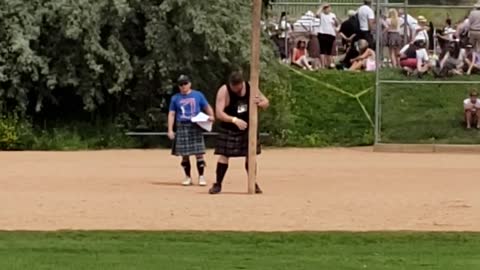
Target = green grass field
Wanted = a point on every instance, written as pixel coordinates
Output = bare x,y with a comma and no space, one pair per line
425,113
276,251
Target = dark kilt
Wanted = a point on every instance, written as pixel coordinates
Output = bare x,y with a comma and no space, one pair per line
234,143
188,140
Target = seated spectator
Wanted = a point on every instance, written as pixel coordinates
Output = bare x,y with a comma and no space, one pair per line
472,60
345,60
471,107
414,58
453,61
300,56
366,60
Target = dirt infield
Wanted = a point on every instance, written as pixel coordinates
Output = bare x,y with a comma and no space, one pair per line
315,190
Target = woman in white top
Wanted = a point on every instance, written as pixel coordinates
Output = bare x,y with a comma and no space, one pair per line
327,34
421,33
394,40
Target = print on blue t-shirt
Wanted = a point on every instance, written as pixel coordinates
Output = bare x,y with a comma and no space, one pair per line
188,106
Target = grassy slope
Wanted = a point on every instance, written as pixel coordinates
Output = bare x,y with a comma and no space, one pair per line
425,113
181,251
323,116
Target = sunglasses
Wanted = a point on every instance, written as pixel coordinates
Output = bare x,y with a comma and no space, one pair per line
183,83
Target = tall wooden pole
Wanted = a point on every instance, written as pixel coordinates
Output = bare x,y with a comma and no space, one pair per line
254,84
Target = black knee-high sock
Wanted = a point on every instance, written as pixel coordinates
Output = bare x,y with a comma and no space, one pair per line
201,166
186,166
221,171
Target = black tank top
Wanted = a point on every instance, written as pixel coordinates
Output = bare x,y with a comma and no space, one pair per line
238,107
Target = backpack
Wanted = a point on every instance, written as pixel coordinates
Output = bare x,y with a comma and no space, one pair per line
356,24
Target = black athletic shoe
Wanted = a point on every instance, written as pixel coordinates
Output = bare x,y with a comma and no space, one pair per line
216,188
258,190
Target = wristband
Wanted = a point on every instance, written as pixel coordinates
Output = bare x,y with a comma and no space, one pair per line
234,120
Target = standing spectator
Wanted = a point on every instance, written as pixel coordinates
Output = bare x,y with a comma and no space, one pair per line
446,36
282,42
366,19
474,27
473,60
347,30
394,40
300,56
421,32
327,34
462,30
313,47
409,25
471,108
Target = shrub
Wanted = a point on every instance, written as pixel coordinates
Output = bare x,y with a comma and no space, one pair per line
15,133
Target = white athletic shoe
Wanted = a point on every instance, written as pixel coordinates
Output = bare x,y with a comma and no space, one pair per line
202,181
187,181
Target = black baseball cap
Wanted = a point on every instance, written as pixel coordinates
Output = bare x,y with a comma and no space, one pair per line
183,79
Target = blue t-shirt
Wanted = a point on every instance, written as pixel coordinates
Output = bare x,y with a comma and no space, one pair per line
188,106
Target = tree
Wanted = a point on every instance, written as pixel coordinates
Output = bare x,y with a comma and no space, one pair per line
116,57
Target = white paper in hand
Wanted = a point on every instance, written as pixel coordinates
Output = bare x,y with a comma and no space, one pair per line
202,120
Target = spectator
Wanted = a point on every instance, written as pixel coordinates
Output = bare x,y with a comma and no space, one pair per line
446,36
366,61
421,32
473,60
366,19
471,108
474,27
394,40
414,58
300,56
327,34
352,52
284,27
462,31
304,28
314,44
347,30
454,61
410,24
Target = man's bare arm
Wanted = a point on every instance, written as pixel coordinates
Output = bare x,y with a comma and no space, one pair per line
208,109
263,101
171,120
220,105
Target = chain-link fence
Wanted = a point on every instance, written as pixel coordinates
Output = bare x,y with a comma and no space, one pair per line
424,109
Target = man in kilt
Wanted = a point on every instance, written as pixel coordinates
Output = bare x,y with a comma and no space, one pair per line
188,139
232,110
